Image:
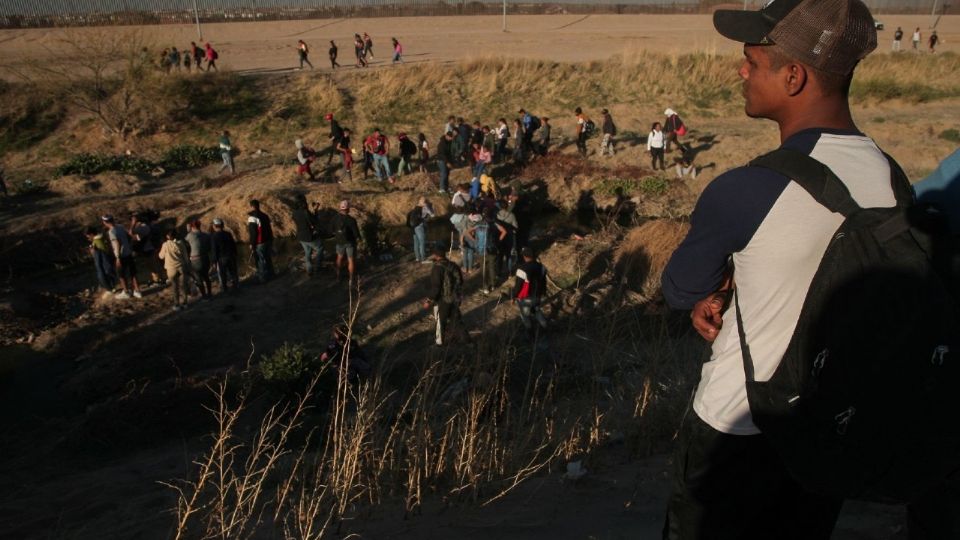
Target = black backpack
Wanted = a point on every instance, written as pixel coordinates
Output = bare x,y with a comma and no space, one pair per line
415,217
535,123
452,289
865,400
589,127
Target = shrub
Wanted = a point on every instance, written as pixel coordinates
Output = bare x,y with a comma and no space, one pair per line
952,135
654,185
187,156
287,365
93,164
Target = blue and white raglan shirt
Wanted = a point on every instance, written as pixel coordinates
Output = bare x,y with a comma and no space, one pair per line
776,234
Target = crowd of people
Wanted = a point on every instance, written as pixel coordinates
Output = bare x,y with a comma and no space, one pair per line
487,232
172,59
915,40
480,147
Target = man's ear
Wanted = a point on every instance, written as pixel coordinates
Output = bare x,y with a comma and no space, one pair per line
795,78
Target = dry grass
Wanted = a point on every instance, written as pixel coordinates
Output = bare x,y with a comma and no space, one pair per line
465,427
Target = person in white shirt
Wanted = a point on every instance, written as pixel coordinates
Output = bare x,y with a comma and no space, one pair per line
655,146
916,39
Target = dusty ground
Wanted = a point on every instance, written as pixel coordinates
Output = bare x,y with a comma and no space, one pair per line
269,46
104,400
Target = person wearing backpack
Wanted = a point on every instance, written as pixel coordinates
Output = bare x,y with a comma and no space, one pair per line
308,233
408,149
346,236
763,454
198,55
673,128
211,56
417,220
484,236
528,290
445,295
305,157
530,125
582,131
609,130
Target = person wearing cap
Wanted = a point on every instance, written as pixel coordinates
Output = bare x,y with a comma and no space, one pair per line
336,133
123,254
799,59
609,130
332,53
528,290
346,236
226,152
305,156
260,233
176,262
581,131
223,253
445,295
199,244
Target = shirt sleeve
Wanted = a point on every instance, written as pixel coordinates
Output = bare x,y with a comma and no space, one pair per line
729,212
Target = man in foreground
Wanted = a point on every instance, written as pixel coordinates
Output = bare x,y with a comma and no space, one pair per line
799,57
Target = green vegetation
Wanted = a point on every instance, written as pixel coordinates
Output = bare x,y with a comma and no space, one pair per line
952,135
287,365
92,164
648,185
185,156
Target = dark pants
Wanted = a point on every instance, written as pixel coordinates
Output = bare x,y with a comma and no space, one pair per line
264,261
656,154
449,323
444,175
227,274
582,143
500,154
106,270
201,273
732,487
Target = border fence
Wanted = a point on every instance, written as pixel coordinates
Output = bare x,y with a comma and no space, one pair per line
56,13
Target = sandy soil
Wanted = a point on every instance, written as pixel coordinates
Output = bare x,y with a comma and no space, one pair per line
269,46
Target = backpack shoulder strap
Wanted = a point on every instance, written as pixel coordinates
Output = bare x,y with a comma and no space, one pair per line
900,183
814,177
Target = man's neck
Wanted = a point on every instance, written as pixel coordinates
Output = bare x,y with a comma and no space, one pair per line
826,114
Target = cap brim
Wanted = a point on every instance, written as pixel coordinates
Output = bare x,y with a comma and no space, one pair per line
743,26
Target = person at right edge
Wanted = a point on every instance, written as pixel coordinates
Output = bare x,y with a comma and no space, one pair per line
799,58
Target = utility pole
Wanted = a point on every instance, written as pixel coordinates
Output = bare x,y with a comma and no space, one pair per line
504,15
196,17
